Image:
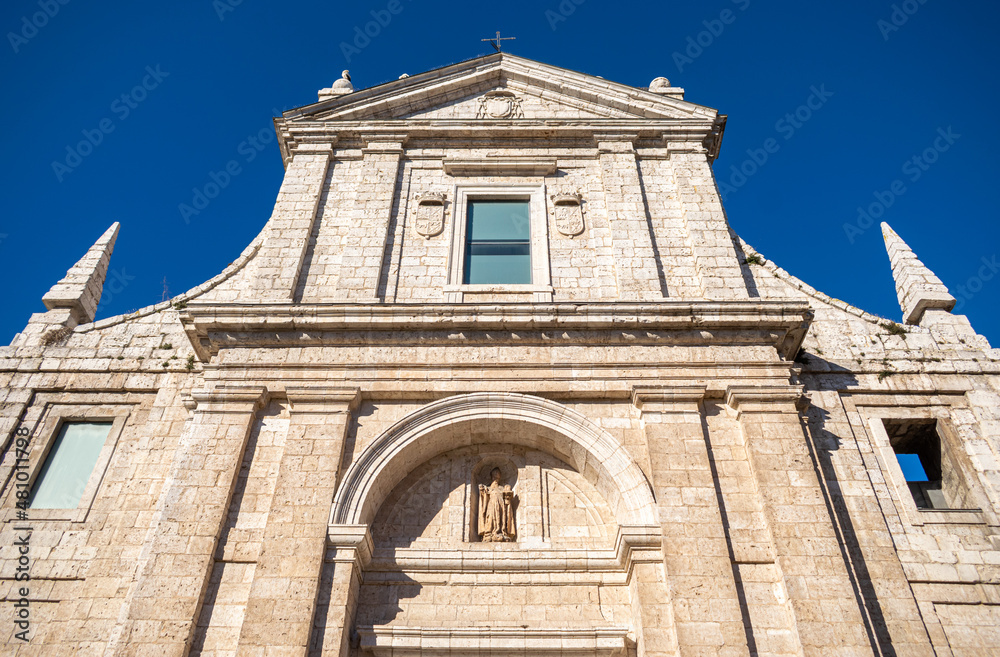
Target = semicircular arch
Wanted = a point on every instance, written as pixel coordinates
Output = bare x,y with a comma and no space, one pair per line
541,424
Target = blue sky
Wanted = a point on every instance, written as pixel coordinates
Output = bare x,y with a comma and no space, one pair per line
888,82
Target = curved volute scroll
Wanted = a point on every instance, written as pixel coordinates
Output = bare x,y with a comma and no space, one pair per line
561,431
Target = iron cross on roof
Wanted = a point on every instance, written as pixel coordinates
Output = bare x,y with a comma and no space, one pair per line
496,43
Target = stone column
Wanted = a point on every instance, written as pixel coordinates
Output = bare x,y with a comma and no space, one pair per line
636,262
283,595
164,603
352,550
808,552
279,260
707,229
696,554
364,250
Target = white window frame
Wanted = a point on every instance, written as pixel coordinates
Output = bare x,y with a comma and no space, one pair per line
540,287
44,440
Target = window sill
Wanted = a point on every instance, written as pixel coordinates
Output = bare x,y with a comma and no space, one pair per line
949,517
44,515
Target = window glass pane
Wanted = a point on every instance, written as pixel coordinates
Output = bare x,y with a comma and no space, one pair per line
497,263
68,465
498,220
913,469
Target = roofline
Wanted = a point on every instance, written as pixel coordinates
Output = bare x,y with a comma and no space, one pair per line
300,114
296,111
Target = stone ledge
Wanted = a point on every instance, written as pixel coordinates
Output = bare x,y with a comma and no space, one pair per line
399,641
634,544
775,323
500,167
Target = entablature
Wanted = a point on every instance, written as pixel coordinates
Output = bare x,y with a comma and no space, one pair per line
778,324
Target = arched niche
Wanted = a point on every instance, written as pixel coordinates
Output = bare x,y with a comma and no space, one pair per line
475,418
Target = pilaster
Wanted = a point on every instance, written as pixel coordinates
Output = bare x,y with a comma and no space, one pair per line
698,565
351,550
279,261
807,549
284,592
635,258
364,249
707,229
163,604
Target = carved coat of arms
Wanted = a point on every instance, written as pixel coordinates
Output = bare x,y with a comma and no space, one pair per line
430,213
569,213
500,104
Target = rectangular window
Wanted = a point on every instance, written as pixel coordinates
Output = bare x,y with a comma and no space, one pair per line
924,463
497,242
68,465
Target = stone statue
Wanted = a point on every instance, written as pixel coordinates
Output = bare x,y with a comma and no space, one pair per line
496,511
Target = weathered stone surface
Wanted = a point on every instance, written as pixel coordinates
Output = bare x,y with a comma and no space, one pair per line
701,448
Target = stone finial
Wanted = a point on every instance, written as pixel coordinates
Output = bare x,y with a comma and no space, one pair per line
341,87
917,287
80,290
659,85
662,87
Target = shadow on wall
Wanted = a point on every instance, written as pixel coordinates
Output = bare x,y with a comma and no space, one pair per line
388,597
822,444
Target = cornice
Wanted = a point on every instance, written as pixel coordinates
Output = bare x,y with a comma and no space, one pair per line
783,325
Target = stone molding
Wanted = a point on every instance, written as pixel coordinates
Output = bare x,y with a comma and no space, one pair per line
391,144
677,399
515,73
229,399
400,641
500,167
633,544
778,323
764,399
318,148
351,544
308,399
390,456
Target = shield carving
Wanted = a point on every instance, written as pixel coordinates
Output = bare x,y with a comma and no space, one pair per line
569,213
430,214
500,104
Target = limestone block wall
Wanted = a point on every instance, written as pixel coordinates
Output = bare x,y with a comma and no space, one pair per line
929,583
684,250
778,521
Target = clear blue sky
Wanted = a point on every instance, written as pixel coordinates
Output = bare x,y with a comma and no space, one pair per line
222,69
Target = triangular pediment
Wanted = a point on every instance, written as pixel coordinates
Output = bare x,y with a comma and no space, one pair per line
501,87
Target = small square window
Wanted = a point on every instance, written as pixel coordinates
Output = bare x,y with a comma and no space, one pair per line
69,464
934,478
498,242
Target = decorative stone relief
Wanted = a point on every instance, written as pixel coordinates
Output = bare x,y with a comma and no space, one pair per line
500,104
569,213
496,510
430,213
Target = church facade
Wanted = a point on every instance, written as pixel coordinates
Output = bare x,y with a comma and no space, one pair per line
497,377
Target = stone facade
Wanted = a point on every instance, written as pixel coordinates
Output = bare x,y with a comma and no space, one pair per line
703,451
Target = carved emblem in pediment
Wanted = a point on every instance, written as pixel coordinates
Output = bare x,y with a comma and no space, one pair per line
569,213
500,104
430,213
